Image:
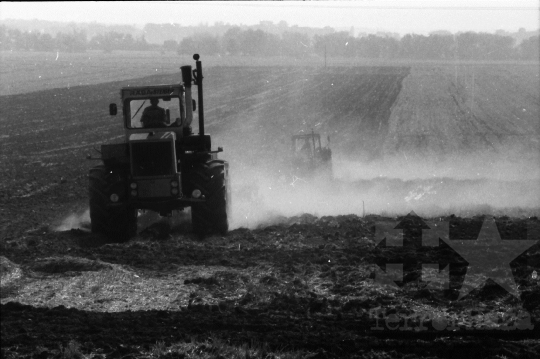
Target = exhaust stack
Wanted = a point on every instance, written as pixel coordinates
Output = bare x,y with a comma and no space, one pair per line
187,79
198,75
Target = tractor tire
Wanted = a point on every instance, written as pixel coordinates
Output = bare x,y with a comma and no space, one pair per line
118,224
212,216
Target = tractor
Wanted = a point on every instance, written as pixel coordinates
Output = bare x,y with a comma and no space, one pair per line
161,165
309,158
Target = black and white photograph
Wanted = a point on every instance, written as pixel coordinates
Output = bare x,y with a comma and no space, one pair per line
270,179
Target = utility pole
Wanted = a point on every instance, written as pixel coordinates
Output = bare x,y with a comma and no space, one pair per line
324,55
472,106
363,210
455,59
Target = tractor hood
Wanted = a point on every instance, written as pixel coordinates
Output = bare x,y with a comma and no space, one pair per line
152,154
152,136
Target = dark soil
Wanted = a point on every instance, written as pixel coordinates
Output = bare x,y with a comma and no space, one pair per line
304,283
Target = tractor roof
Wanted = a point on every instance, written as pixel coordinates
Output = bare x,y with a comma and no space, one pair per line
151,91
309,135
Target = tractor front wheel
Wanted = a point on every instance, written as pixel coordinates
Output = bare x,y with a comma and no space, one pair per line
213,215
117,223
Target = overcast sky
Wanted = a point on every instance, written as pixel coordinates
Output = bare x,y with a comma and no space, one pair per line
403,16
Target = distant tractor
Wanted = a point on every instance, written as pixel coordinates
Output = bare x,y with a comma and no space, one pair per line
309,157
161,165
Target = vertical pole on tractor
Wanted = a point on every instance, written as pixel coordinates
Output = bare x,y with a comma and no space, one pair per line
187,79
198,79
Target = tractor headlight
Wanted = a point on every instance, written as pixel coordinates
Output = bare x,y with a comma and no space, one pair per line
174,191
196,193
114,197
134,193
133,185
174,184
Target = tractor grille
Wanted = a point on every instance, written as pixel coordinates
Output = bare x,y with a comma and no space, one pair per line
154,188
152,158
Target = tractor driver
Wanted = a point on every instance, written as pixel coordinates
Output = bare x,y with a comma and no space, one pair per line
306,148
305,151
153,115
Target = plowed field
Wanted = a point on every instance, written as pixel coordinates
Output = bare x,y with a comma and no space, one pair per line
295,277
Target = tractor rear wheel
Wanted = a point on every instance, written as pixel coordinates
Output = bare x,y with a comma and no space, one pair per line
119,224
213,215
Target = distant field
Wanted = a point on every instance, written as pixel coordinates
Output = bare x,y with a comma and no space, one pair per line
473,107
22,72
446,129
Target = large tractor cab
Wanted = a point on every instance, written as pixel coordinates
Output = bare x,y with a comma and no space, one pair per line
161,165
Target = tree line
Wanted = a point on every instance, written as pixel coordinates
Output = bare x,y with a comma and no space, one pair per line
463,46
250,42
74,41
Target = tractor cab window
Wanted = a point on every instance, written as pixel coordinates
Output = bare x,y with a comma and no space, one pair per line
153,112
305,146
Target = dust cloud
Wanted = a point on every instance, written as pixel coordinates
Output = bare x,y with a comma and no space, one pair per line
75,221
501,183
480,183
